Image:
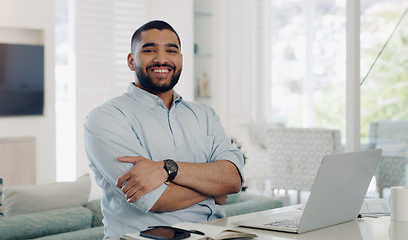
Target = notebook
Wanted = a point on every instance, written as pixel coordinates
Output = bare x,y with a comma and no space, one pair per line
337,195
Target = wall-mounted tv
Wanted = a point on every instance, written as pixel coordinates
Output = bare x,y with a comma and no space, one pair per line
21,79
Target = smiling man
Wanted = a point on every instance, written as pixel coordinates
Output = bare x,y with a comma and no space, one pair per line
159,159
158,64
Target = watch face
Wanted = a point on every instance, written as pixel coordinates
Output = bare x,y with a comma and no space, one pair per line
171,168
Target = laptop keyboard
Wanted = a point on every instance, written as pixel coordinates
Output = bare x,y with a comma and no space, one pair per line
287,223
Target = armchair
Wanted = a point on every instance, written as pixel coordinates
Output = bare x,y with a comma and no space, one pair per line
295,155
392,137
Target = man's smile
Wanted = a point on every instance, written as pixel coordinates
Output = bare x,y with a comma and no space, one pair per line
161,71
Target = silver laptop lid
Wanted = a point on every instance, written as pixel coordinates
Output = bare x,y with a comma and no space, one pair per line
339,189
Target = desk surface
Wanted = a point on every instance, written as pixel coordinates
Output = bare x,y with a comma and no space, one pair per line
367,228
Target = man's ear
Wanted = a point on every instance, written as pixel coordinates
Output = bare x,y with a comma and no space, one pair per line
130,62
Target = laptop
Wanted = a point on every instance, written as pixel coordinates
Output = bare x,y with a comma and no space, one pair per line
336,197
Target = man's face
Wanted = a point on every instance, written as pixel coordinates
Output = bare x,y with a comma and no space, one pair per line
157,61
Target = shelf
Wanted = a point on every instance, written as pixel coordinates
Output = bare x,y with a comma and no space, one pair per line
204,55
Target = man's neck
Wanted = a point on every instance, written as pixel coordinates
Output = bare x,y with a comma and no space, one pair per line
166,97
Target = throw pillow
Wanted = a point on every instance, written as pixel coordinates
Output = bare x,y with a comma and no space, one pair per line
23,199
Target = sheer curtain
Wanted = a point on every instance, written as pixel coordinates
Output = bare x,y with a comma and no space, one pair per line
93,38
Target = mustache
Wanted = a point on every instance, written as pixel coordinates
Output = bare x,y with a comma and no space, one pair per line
160,65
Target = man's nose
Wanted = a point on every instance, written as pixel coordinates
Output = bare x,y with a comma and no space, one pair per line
161,57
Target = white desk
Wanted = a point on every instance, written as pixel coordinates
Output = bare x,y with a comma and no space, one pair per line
381,228
367,228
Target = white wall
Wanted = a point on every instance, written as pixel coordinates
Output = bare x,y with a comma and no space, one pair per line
36,15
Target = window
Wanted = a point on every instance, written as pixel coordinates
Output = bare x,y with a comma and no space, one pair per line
384,88
64,92
308,74
384,91
308,63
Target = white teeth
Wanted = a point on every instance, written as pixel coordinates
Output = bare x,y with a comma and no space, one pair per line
161,70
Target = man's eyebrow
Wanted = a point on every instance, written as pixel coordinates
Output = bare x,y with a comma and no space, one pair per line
148,45
152,44
172,45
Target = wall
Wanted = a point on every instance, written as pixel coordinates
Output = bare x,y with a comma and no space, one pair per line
27,16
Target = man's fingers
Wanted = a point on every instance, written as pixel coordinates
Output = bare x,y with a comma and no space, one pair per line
129,189
220,200
127,175
128,159
121,180
140,179
131,193
135,196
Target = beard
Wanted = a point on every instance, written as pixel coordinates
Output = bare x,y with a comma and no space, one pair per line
147,83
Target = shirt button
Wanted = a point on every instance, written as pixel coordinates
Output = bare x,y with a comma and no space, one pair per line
179,143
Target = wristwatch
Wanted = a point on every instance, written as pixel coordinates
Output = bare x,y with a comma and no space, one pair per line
171,168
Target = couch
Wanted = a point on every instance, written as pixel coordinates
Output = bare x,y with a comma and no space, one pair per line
50,211
80,222
76,220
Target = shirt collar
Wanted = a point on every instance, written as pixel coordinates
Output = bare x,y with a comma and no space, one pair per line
149,99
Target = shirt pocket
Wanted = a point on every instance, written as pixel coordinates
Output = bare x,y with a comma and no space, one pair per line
203,146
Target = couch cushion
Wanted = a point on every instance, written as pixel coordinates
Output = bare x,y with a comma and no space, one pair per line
40,224
23,199
95,207
95,233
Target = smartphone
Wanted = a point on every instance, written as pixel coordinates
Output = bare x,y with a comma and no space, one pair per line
165,233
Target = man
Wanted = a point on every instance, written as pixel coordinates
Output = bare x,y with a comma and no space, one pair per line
159,159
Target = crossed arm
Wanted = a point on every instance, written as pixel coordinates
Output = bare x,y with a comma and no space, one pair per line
194,182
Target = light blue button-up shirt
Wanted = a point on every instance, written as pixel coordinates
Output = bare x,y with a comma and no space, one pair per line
138,124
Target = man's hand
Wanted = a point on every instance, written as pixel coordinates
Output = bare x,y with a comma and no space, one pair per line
145,176
220,200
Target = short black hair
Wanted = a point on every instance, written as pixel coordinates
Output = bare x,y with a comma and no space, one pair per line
155,24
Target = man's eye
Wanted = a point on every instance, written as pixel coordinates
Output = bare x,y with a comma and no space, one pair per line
148,50
172,51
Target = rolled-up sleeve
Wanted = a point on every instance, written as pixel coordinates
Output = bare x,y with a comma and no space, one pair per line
222,148
107,135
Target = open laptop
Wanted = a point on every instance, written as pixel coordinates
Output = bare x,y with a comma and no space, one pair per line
336,196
